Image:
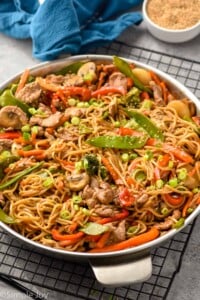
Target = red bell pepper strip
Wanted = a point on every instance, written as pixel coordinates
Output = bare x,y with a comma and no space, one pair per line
83,92
123,131
63,237
118,216
108,90
10,135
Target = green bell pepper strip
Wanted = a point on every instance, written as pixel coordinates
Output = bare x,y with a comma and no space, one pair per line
72,68
124,67
19,176
146,124
7,98
5,218
118,142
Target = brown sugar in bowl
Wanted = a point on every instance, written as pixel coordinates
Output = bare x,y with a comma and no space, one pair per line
172,21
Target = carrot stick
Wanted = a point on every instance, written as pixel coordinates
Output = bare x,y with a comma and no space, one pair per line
186,206
143,238
164,91
64,237
72,227
34,152
178,153
23,80
68,242
103,239
110,169
155,77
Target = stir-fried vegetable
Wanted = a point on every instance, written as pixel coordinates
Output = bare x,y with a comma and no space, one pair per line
124,67
20,175
5,218
146,124
72,68
7,98
118,142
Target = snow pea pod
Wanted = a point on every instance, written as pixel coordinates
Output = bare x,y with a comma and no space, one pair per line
7,98
118,142
5,218
146,124
19,176
124,68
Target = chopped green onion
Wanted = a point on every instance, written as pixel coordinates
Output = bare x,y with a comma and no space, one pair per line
76,207
82,104
5,154
26,136
79,165
147,104
173,182
148,155
66,124
165,211
72,101
195,190
170,164
75,120
47,182
182,174
132,156
32,111
125,157
76,199
190,210
26,128
132,230
85,211
140,175
116,124
65,214
34,129
179,223
159,183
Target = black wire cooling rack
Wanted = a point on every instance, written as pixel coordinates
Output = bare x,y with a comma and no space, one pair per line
27,270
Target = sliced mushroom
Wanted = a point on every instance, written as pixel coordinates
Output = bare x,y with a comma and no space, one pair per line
88,69
12,117
77,182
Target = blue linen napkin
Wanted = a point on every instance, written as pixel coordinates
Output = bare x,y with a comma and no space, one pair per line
66,26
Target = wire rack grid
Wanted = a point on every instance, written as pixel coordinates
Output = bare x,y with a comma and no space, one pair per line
32,269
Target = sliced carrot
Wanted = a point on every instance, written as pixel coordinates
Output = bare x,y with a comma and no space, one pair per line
34,152
103,239
119,216
144,95
163,162
129,82
186,206
23,80
155,77
164,91
110,169
156,173
143,238
72,227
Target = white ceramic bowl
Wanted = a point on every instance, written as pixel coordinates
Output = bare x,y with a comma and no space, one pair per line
169,35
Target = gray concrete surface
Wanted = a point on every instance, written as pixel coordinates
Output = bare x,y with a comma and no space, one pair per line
16,55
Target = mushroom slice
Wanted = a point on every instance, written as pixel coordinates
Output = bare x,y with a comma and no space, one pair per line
12,117
77,182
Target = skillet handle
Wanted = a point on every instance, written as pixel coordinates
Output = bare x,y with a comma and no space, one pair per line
117,272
